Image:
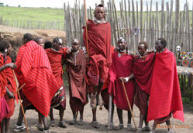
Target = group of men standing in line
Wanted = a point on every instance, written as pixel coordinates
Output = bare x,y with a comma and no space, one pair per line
147,79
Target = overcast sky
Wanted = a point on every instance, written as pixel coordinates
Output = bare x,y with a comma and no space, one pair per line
59,3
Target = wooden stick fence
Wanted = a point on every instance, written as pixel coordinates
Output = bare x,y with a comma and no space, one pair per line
137,22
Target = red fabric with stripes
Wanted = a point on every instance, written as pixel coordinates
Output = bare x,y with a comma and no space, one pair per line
3,81
165,94
33,69
11,85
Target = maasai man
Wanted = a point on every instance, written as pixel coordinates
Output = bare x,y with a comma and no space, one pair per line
47,44
34,71
76,70
97,41
165,96
121,70
142,70
9,88
39,41
55,56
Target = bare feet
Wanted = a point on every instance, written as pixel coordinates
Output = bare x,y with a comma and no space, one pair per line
146,128
61,124
73,122
120,126
40,127
52,123
19,128
94,124
130,127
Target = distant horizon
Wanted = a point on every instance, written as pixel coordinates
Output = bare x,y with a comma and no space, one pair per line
59,4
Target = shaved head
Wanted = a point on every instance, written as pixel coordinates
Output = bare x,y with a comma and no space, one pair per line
99,12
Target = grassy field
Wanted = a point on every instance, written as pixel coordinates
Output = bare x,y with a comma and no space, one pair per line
34,14
43,18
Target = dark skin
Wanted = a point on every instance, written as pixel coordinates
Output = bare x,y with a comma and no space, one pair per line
160,48
57,47
122,48
75,48
41,42
142,51
99,13
5,122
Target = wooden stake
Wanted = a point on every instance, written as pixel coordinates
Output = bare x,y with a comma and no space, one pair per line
86,29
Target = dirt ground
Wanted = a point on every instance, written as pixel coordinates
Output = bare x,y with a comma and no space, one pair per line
102,117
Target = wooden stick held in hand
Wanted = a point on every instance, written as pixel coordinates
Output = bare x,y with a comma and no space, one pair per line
132,114
19,97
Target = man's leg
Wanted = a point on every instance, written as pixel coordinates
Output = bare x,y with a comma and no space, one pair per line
81,113
19,126
44,121
93,102
73,106
112,112
141,118
100,100
7,120
40,126
146,128
94,114
120,116
52,117
129,126
154,126
170,130
3,126
20,117
61,122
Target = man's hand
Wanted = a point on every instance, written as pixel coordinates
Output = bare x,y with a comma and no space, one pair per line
9,93
69,49
11,65
124,79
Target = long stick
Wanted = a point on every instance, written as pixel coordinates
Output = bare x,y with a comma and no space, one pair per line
21,105
129,103
19,97
86,29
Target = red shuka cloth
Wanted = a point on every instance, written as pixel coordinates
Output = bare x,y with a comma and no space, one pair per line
76,69
121,67
99,44
55,58
142,70
11,85
33,69
165,95
4,109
